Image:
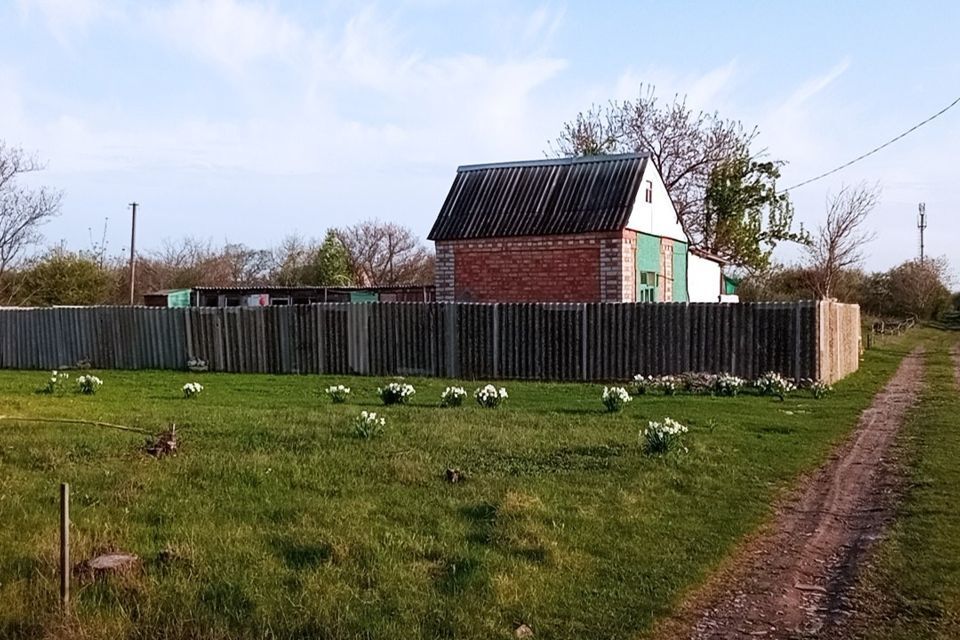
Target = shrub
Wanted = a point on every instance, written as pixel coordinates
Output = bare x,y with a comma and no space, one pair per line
698,382
667,385
490,397
662,437
614,398
641,383
727,385
57,382
819,389
368,425
453,397
88,384
773,384
396,393
338,393
192,389
197,365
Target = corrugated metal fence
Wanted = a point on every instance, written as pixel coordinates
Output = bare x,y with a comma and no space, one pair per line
525,341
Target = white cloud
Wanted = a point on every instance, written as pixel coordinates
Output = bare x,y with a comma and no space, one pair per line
707,91
815,86
64,18
228,33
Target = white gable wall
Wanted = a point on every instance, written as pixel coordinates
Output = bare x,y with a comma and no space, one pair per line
657,218
703,279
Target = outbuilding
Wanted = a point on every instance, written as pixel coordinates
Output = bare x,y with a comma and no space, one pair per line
590,229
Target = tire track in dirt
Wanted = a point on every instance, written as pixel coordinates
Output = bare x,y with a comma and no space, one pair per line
795,578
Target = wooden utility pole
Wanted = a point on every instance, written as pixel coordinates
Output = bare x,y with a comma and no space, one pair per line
65,547
133,242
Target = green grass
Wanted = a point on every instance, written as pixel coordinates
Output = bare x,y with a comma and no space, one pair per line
912,588
276,522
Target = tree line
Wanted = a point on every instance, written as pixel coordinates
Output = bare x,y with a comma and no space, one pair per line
369,253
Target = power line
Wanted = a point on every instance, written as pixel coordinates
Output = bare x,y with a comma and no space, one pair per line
873,151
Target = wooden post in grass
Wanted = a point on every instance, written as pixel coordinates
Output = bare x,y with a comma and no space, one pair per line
65,547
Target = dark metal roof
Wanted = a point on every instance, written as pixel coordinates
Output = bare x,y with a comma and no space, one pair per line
268,288
540,197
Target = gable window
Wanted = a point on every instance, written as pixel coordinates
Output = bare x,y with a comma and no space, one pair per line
648,194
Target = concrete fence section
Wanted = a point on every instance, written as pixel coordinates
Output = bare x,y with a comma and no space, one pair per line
586,342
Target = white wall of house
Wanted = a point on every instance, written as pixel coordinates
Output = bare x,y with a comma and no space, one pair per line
659,217
703,279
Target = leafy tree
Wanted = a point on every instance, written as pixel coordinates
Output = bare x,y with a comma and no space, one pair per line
302,263
919,288
781,283
913,288
62,277
744,218
705,162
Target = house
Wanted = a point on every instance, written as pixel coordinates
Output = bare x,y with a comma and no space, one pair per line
274,296
592,229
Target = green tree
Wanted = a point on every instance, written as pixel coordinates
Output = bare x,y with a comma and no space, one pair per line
307,263
722,190
331,262
744,218
62,277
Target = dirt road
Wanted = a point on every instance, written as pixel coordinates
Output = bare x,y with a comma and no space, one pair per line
793,580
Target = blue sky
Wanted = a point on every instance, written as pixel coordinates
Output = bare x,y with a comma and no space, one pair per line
246,120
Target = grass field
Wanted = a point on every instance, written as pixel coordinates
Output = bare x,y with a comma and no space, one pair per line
275,521
912,589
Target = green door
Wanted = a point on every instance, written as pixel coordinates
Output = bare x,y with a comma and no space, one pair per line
648,268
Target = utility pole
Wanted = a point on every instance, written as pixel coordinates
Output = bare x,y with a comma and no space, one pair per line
922,225
133,255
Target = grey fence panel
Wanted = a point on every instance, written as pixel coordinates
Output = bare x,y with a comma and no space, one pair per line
596,341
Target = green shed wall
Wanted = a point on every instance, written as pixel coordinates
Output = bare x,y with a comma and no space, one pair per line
648,259
680,293
179,298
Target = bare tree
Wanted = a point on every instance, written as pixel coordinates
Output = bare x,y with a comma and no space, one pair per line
837,246
685,146
384,253
22,209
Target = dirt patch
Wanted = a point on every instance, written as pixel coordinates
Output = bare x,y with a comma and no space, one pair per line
795,578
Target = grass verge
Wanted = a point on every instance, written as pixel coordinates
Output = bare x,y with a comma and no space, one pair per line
276,522
911,588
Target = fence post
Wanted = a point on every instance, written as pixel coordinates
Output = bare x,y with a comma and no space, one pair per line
65,548
585,368
496,341
797,339
450,339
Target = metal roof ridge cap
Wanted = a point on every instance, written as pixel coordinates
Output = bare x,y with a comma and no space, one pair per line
546,162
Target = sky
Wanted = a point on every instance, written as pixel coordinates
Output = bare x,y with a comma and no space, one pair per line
248,120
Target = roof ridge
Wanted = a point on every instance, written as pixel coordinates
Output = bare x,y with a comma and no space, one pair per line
552,162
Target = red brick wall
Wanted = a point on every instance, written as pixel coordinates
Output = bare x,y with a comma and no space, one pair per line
573,268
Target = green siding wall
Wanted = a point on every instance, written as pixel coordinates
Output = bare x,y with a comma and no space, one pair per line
648,261
680,293
179,298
